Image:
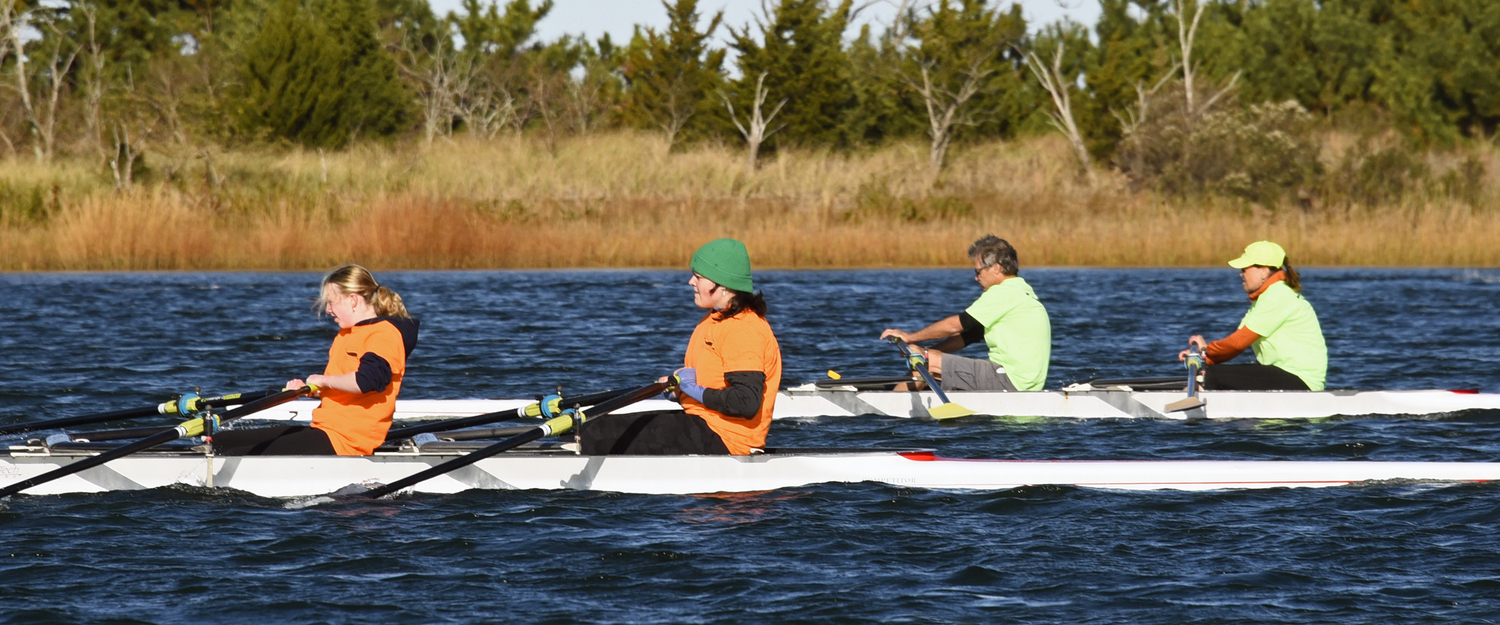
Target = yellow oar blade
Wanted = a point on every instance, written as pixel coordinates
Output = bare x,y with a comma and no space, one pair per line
949,410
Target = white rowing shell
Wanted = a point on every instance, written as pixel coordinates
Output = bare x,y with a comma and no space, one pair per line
807,401
299,476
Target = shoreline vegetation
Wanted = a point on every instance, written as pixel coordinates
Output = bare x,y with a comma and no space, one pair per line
623,199
303,134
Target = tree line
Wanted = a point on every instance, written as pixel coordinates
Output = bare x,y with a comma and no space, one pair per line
1191,95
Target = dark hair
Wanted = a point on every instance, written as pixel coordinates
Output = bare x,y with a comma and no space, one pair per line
993,250
1292,279
742,301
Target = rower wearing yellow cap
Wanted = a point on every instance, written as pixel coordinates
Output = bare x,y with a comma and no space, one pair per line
1281,327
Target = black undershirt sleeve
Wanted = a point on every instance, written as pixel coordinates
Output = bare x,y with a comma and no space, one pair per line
743,396
973,331
374,373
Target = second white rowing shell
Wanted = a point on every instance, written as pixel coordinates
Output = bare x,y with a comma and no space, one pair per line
298,476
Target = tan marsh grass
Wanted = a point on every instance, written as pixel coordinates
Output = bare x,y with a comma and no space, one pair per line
622,200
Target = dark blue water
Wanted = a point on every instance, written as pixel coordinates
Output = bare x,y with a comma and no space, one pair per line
76,343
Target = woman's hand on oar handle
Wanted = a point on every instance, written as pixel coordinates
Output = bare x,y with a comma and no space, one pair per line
346,382
296,383
683,381
1195,340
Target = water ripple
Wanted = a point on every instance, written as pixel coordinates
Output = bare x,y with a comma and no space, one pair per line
845,553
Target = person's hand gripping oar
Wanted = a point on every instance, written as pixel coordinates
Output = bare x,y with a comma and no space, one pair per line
918,363
189,428
555,425
1192,357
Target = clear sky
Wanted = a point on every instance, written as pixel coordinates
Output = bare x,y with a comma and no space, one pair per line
618,17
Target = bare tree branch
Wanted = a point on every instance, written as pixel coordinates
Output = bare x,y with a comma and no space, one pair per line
1185,36
94,82
1056,84
756,133
1129,122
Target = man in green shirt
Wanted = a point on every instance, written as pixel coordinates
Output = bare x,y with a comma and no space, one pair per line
1007,317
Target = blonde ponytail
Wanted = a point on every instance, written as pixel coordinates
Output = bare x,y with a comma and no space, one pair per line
356,280
388,304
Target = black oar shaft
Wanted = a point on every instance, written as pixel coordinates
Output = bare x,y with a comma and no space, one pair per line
165,436
113,415
479,433
555,425
132,413
497,416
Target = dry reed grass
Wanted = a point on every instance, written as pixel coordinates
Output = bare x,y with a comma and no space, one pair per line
622,200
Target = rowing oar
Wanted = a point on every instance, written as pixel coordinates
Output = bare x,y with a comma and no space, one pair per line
918,363
556,425
191,427
548,407
1194,362
187,404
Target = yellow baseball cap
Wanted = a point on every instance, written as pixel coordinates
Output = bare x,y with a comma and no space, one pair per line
1263,253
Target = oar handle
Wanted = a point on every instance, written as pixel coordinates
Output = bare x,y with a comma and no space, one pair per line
1194,362
918,363
555,425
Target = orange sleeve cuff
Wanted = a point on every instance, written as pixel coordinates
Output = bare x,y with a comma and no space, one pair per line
1227,348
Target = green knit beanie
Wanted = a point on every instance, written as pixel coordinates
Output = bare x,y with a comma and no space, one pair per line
726,262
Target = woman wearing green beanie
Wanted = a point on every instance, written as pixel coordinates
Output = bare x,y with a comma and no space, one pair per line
730,375
1281,327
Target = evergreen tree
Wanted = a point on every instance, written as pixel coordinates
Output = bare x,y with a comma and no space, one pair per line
1440,79
282,70
135,31
370,99
800,50
883,110
489,32
673,78
322,79
1430,66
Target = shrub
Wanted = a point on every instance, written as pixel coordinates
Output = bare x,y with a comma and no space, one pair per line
1263,153
1372,174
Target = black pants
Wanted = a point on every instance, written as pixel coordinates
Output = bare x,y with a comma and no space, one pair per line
1256,377
284,440
659,433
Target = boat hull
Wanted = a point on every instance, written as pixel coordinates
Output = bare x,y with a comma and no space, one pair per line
300,476
810,402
